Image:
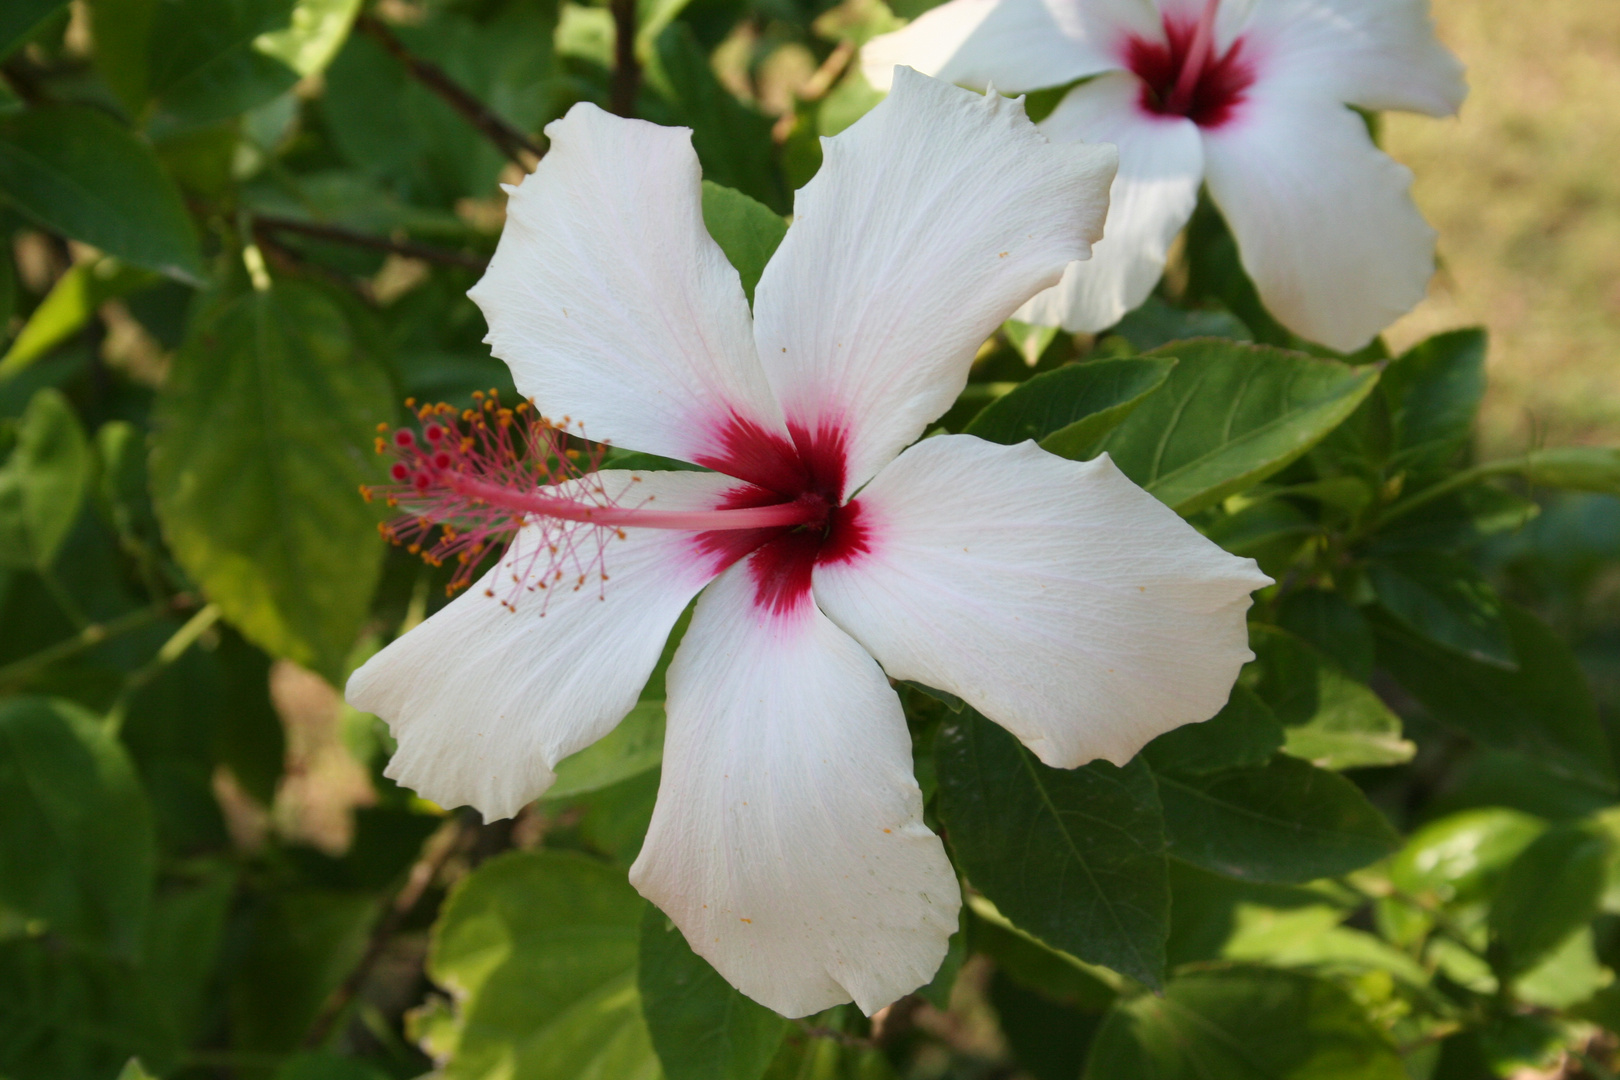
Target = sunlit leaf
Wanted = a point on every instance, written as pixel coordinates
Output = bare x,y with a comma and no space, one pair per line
746,230
1068,410
71,303
1332,720
264,432
1231,415
539,950
43,483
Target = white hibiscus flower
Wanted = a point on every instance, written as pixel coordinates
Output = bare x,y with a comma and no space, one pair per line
1055,596
1248,95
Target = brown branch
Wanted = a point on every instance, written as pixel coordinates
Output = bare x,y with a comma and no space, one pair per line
441,847
338,234
508,139
626,66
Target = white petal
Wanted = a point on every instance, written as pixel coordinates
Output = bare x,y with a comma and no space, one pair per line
1018,45
1056,597
788,842
610,301
485,701
1324,220
931,220
1379,54
1161,165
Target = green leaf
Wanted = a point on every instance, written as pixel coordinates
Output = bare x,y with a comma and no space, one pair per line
1243,1023
313,36
1244,732
539,950
1027,340
1284,822
204,63
1331,719
19,19
1231,415
43,483
1446,600
75,171
1576,468
134,1070
76,845
263,438
1434,390
746,230
732,140
1452,864
72,302
325,1065
1548,893
630,749
1328,621
1074,856
1156,324
299,945
1544,709
1068,410
248,737
701,1027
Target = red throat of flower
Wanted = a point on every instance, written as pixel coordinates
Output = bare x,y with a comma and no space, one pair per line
1186,76
466,481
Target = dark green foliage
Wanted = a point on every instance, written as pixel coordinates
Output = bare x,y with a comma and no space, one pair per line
238,233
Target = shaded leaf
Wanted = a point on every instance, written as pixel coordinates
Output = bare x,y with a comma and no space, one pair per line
76,844
1550,891
1231,415
1576,468
1243,1023
1445,599
746,230
263,438
1074,856
702,1028
75,171
1156,324
1327,621
540,952
1286,821
43,483
1244,732
1068,410
1544,709
203,64
19,19
1434,390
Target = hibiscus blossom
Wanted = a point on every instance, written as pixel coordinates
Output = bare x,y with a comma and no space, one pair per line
1248,95
1055,596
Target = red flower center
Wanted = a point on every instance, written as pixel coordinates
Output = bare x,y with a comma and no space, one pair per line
809,471
1185,76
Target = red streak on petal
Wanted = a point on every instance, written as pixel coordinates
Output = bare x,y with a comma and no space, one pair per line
1185,77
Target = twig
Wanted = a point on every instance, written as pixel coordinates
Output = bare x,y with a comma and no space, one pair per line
440,849
822,79
339,235
508,139
86,639
626,65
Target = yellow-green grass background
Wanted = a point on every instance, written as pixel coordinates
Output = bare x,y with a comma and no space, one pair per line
1525,190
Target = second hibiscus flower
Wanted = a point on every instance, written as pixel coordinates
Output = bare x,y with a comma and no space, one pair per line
1250,96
